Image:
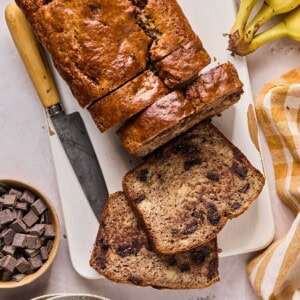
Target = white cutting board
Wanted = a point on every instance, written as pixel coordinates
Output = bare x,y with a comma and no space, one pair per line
252,231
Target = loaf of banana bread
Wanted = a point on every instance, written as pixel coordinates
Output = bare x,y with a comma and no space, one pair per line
174,113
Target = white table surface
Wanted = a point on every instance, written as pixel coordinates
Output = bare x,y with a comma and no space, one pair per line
25,154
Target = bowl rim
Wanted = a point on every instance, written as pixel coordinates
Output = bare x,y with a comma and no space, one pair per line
31,277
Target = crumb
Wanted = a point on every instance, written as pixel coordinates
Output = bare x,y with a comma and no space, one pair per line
64,236
215,59
226,34
287,107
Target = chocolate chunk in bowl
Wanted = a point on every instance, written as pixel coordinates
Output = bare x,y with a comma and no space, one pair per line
29,233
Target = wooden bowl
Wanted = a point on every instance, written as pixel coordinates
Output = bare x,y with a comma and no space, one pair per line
31,277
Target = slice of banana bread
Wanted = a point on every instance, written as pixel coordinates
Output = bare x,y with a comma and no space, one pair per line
187,190
173,114
127,101
123,254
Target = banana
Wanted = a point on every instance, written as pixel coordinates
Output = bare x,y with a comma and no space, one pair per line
237,30
289,27
269,9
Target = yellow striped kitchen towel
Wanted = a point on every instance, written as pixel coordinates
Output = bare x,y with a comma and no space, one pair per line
275,274
278,112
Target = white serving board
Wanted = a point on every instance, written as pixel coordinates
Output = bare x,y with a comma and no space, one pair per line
252,231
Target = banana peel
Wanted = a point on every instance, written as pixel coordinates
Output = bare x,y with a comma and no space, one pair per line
269,9
289,27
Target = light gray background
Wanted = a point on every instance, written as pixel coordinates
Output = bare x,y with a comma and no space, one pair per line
25,154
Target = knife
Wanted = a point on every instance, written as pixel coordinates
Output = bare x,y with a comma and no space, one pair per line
69,127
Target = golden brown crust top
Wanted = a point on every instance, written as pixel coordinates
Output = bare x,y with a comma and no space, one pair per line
95,44
213,84
128,100
168,110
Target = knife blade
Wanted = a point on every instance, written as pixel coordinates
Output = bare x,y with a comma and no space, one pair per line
70,128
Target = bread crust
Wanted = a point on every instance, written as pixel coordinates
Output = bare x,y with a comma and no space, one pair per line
127,101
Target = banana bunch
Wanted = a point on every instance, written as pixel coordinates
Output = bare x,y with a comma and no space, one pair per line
242,39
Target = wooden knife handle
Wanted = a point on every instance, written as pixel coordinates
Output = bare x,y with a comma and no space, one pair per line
31,55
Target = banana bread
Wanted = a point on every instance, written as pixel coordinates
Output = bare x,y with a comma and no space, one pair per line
187,190
123,254
127,101
96,45
173,114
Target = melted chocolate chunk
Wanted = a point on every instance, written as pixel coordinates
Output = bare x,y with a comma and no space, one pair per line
238,155
245,188
101,261
212,214
143,175
94,8
184,268
190,228
213,176
198,255
212,268
140,3
135,280
103,244
126,250
174,231
172,260
192,162
236,205
187,148
240,171
198,215
149,245
139,199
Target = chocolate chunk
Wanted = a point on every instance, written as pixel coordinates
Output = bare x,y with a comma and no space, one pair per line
143,175
212,268
1,205
46,217
171,260
32,242
139,199
212,214
21,206
240,171
27,197
198,256
126,250
101,261
29,272
245,188
174,231
191,163
44,253
6,276
10,250
35,262
37,229
213,176
5,216
235,205
238,155
15,192
19,240
14,213
19,214
187,148
38,207
184,268
9,200
17,277
8,236
49,245
3,189
30,218
18,226
190,228
49,231
22,265
31,252
135,280
198,215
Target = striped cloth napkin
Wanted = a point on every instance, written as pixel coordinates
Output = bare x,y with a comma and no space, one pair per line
275,273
